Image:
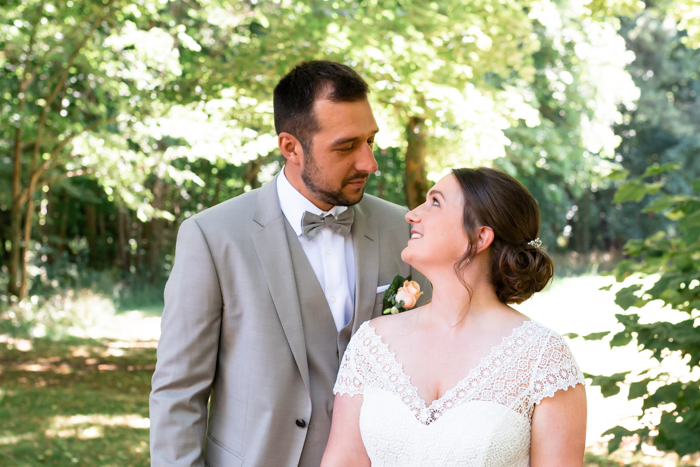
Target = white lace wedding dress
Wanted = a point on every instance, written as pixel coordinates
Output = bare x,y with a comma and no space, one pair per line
483,421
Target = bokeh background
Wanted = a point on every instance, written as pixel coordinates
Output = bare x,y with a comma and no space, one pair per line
120,119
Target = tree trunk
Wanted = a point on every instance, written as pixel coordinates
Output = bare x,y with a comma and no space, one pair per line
91,231
416,180
13,287
155,236
63,226
586,224
15,249
383,168
27,243
217,191
122,242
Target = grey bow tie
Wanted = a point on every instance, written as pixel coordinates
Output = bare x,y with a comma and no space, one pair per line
311,223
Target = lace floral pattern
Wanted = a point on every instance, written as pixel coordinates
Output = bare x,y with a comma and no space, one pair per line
529,365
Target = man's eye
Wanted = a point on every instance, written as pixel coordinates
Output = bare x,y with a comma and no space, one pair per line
349,148
371,142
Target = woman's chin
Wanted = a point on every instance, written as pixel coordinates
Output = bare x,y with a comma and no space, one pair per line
408,256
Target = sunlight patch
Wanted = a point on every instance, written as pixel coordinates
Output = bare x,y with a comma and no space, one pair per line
46,364
4,440
23,345
92,426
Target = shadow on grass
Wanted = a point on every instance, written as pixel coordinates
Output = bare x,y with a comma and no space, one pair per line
74,402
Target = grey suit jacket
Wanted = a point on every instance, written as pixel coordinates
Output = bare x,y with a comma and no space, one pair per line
232,328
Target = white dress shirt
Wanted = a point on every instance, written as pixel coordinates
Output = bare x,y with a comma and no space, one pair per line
331,255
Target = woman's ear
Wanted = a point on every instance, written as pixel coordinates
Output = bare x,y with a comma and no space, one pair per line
484,238
291,148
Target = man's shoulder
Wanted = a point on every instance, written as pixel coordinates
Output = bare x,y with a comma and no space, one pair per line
382,209
232,211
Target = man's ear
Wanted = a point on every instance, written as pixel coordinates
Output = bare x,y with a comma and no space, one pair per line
484,238
291,148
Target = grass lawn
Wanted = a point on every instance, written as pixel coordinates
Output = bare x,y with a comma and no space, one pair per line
80,402
84,400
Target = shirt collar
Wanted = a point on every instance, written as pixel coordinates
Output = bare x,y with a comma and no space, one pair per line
294,204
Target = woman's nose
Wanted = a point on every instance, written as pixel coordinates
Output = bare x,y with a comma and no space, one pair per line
412,217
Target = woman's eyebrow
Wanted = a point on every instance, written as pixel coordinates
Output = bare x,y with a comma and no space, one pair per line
436,192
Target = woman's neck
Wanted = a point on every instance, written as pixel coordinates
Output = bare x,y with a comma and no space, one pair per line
455,305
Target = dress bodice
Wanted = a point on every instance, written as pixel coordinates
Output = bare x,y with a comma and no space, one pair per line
484,420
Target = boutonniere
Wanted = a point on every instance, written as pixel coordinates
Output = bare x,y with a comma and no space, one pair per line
398,297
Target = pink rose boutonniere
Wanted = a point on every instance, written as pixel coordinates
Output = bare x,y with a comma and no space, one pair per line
398,297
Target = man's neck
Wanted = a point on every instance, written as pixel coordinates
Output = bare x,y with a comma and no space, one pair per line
294,178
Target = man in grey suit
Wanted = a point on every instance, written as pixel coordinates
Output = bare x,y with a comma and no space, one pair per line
268,287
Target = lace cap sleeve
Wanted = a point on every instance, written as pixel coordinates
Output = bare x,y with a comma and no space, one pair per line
351,376
556,369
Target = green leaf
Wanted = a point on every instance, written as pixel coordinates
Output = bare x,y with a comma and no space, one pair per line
633,190
609,385
626,298
657,169
618,174
571,335
663,203
638,389
625,269
618,432
596,336
690,220
606,287
621,339
653,188
696,185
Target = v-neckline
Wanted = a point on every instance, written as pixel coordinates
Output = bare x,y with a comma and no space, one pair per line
482,363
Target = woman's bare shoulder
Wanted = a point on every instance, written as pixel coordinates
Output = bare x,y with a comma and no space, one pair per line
387,325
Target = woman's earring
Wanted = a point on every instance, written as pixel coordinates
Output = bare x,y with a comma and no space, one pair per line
469,260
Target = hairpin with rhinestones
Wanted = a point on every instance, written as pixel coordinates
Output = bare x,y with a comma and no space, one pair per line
536,243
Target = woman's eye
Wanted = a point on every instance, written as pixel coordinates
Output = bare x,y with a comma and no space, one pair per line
435,202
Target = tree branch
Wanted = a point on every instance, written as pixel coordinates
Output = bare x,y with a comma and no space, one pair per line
36,174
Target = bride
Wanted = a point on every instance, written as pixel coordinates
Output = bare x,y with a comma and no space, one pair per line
465,380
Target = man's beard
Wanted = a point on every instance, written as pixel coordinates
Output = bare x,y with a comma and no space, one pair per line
313,179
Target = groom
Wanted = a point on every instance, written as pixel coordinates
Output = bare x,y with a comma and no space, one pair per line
266,290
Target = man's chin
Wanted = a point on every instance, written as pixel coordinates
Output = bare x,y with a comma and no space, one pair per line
354,197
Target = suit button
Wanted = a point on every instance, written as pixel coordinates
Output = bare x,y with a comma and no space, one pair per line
301,423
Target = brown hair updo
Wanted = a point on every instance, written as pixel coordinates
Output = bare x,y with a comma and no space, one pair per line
494,199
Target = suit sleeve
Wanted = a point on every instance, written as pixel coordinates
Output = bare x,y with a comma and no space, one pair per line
187,353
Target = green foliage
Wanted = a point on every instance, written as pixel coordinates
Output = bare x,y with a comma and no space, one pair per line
139,115
674,260
609,385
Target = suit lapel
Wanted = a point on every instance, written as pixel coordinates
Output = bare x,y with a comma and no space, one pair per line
272,248
366,245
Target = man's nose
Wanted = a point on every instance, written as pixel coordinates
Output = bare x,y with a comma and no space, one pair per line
366,162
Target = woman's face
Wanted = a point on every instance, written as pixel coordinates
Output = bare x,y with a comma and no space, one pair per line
437,233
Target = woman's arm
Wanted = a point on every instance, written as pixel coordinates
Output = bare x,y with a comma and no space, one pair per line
559,429
345,446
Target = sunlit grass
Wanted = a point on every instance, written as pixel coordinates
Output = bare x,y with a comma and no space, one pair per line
83,399
75,402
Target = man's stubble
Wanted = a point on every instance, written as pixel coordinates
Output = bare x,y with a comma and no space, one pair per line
312,177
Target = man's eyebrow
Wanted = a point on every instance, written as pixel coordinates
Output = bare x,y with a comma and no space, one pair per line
342,141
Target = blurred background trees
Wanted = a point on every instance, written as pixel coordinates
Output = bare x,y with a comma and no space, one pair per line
120,119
